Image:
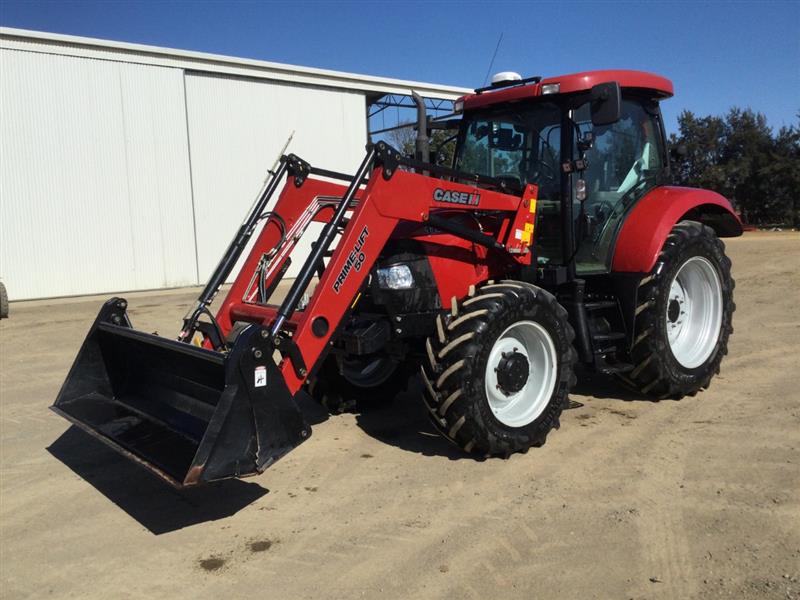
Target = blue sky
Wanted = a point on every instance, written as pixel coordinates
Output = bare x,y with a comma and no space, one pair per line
719,54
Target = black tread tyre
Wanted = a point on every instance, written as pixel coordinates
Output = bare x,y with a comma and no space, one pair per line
657,372
3,301
455,370
338,395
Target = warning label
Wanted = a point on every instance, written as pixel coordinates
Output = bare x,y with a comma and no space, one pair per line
261,376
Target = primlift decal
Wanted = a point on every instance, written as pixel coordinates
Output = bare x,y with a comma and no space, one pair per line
455,197
355,260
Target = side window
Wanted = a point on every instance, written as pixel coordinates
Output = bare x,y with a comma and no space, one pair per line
624,163
623,152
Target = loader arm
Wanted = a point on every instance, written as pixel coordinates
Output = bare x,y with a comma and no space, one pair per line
390,196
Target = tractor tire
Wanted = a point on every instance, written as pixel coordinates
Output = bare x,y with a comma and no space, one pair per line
684,315
3,301
499,369
350,391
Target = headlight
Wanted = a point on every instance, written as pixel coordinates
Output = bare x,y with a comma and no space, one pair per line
396,277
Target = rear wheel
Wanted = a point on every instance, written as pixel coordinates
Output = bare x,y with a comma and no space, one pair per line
684,316
499,370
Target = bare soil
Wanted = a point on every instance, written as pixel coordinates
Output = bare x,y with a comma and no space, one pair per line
629,499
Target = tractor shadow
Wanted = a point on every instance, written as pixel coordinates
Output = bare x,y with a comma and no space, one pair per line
605,387
403,422
152,502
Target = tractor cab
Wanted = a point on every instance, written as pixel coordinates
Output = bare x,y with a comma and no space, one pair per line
592,142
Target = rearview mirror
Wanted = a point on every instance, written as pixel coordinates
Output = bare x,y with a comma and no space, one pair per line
605,103
505,139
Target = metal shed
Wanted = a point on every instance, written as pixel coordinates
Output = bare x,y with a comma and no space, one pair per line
127,167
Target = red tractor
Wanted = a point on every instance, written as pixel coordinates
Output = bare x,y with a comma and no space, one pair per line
553,239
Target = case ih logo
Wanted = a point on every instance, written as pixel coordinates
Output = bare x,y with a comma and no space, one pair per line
454,197
354,260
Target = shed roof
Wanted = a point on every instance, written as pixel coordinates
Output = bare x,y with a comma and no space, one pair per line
69,45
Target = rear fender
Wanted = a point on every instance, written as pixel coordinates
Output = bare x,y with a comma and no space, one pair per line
649,223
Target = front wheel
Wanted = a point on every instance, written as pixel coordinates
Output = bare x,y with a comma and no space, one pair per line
499,370
684,315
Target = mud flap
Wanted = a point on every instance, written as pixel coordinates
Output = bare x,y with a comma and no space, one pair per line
188,414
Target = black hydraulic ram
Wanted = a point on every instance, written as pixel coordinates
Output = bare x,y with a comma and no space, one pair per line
324,242
464,232
235,249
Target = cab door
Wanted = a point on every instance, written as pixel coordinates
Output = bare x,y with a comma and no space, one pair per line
625,161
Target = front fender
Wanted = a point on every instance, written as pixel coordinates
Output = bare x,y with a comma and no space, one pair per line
649,223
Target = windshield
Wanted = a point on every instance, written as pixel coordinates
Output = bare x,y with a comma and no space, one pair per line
517,146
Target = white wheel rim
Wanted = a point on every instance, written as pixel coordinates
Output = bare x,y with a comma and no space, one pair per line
694,312
526,405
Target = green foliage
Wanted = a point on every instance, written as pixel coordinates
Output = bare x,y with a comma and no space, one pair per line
405,138
740,157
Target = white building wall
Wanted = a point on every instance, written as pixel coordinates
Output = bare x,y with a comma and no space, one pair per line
128,167
237,128
95,190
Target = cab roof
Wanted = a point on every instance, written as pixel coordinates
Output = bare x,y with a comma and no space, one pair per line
660,87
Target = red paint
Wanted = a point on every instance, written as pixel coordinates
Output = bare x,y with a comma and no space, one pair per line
290,205
660,87
649,223
456,263
407,197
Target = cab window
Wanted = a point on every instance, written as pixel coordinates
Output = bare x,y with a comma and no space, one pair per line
625,161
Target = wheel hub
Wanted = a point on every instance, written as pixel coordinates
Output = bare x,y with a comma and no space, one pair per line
512,372
673,310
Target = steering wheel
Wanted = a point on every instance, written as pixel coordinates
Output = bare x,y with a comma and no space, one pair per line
614,207
509,179
548,173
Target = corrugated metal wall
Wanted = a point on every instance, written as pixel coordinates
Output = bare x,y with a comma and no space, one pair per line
116,176
95,189
237,128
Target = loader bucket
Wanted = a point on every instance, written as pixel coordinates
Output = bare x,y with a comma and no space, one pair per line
188,414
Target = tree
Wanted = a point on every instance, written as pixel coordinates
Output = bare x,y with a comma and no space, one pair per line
405,141
783,173
739,156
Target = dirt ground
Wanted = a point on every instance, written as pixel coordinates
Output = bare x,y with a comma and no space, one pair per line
629,499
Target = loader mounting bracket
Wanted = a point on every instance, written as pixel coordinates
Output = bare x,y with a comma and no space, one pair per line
387,157
297,168
288,348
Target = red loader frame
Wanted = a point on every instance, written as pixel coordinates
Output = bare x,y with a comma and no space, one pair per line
390,196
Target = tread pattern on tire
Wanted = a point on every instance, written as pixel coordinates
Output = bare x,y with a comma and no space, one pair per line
656,372
453,371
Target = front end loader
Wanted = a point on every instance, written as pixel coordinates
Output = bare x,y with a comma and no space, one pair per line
551,240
